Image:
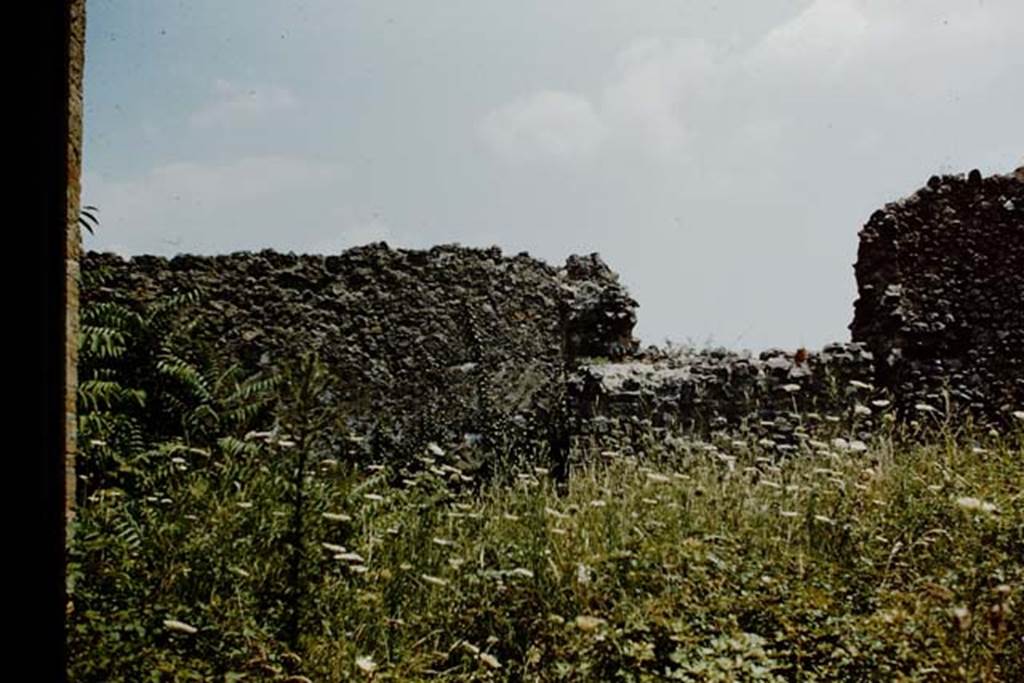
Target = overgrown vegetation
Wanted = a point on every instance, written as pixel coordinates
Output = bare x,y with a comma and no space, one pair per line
218,538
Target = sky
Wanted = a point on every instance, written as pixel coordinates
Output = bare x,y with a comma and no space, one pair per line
720,155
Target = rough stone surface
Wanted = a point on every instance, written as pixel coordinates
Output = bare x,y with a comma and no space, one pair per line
940,278
425,345
776,396
72,247
601,315
462,345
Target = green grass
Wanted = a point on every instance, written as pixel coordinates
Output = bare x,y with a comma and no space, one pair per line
689,564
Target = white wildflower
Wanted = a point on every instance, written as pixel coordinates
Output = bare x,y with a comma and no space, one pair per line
588,623
366,664
434,580
336,517
180,626
258,435
975,505
490,660
349,557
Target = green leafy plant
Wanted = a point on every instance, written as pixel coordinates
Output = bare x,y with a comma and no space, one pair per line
87,218
142,381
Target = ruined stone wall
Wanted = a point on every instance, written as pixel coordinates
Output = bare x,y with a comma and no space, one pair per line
939,323
779,398
450,342
940,279
423,344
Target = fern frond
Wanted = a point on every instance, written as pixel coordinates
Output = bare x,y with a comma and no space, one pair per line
102,342
101,394
186,374
234,447
160,311
111,314
128,530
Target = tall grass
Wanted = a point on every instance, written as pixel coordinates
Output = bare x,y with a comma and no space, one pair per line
902,562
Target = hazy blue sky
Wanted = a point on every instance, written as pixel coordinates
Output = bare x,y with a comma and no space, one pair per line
720,155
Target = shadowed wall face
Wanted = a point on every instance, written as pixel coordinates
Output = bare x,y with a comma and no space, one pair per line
940,277
425,345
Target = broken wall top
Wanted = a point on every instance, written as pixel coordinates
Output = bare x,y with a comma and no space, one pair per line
940,278
433,343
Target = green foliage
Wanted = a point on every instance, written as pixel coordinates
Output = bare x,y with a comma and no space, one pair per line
87,218
233,543
878,566
142,381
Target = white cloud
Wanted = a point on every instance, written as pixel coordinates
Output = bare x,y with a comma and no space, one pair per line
252,203
545,125
236,104
645,103
662,97
740,173
821,40
920,46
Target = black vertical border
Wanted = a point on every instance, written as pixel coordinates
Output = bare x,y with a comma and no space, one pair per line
41,290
